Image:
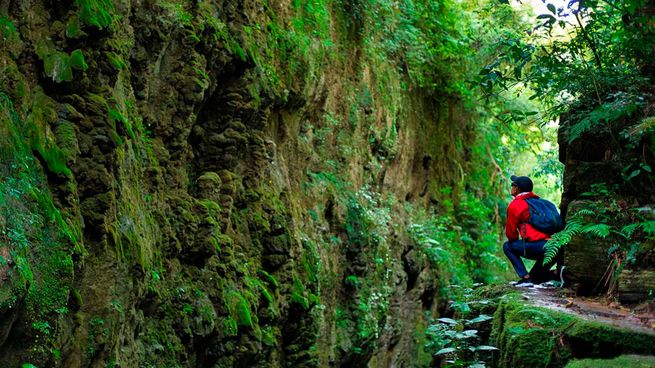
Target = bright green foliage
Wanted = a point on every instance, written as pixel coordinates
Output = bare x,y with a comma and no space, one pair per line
73,28
298,294
8,30
605,217
457,338
115,116
462,245
239,309
36,236
59,65
594,72
95,13
77,60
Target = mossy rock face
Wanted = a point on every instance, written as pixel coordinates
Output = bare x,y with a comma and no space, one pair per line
530,336
208,196
586,256
624,361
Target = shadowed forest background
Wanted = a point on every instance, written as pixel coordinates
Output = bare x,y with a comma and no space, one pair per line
314,183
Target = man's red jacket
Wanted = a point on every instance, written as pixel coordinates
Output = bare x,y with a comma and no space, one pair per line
517,220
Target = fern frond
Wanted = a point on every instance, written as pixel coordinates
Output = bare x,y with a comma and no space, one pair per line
584,212
627,230
580,128
560,239
648,227
599,230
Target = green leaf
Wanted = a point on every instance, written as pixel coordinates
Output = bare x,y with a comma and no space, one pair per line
449,321
633,174
549,17
599,230
480,318
445,351
552,8
486,348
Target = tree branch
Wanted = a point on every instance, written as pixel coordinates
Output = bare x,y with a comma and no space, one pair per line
591,43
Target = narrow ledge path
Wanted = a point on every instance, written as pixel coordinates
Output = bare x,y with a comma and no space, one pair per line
593,308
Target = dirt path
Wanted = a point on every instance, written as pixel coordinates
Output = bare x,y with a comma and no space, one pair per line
595,309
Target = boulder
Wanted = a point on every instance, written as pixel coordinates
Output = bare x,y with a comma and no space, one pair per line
636,285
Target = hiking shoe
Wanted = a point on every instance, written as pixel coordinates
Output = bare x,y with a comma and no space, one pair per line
546,285
524,283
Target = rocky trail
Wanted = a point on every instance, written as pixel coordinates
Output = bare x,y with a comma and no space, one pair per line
638,317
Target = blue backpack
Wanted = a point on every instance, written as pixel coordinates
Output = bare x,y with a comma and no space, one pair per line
544,216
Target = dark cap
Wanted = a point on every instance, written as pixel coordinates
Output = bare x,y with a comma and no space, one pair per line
523,182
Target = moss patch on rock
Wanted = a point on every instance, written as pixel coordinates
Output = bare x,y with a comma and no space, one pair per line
624,361
530,336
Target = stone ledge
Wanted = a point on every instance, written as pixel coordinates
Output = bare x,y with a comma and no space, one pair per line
532,336
624,361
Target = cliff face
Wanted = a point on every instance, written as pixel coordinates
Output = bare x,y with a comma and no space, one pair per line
220,183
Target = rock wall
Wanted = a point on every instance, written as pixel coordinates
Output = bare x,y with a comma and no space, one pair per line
214,184
608,181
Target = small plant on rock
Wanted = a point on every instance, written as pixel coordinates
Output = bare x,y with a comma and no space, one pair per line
455,341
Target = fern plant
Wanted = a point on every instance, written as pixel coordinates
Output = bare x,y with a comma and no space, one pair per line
607,218
574,226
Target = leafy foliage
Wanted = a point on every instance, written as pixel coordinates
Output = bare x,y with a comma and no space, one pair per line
455,339
591,66
607,218
460,245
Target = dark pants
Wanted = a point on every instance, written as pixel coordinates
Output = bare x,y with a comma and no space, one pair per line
516,249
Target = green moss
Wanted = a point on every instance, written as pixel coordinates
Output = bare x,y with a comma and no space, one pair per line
239,309
269,336
213,209
116,116
270,279
77,60
211,177
59,65
134,230
258,220
41,239
598,339
632,361
299,294
73,28
529,336
230,326
66,138
95,13
116,60
258,286
8,30
44,113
